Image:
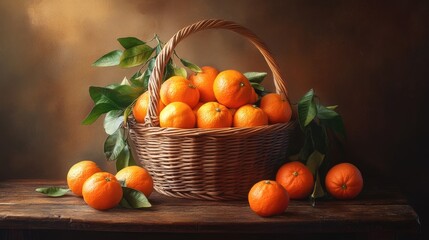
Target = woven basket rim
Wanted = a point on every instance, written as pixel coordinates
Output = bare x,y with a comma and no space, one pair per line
213,132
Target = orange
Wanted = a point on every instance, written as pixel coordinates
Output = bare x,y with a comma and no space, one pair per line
141,106
268,198
78,174
102,191
177,115
213,115
195,109
137,178
204,82
277,109
253,97
232,89
249,116
296,178
344,181
179,89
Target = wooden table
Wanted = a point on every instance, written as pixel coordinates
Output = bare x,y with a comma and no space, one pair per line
378,213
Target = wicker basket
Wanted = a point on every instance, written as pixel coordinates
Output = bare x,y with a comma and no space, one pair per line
211,164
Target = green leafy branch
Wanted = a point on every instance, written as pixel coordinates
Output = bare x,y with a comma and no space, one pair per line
316,122
116,100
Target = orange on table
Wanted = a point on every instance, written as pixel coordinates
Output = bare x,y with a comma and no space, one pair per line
213,115
177,115
344,181
267,198
79,173
296,178
249,116
179,89
204,83
232,89
141,105
137,178
102,191
277,109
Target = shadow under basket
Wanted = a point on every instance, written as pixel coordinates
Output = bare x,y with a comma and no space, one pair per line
211,164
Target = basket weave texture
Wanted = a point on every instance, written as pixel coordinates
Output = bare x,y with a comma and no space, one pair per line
210,164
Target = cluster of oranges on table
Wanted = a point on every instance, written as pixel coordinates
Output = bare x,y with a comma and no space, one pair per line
213,99
295,181
103,190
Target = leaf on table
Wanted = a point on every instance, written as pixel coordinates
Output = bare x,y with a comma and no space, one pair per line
109,59
53,191
134,199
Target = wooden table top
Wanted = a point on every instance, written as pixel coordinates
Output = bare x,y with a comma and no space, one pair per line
374,210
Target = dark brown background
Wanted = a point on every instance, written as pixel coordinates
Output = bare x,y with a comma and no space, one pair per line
369,58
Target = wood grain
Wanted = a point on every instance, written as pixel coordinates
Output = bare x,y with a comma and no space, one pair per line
375,210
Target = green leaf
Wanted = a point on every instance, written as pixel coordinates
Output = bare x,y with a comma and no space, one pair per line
97,111
169,70
336,124
134,199
106,99
179,71
257,86
332,107
123,158
255,77
129,42
325,113
307,109
193,67
127,113
135,56
114,145
110,59
120,95
318,191
137,79
113,121
53,191
314,161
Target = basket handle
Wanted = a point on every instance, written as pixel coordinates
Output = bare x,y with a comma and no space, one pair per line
155,78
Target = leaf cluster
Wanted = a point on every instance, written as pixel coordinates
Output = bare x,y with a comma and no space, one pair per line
116,100
316,122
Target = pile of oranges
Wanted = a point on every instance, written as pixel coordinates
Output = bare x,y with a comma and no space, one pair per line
103,190
295,181
213,99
